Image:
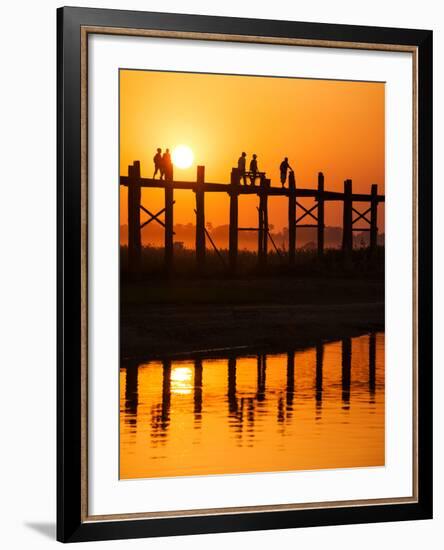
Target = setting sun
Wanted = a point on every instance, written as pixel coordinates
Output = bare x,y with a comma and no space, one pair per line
183,156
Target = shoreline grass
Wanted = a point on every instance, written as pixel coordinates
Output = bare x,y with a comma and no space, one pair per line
307,263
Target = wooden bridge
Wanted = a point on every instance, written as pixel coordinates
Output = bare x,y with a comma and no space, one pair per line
263,190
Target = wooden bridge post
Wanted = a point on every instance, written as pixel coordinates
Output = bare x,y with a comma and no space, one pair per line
320,214
234,217
131,232
169,224
374,220
262,247
260,231
267,184
137,200
134,239
200,218
291,218
347,224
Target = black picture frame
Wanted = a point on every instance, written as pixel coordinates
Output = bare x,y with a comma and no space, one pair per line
71,524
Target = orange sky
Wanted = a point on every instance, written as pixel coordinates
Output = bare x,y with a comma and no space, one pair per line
321,125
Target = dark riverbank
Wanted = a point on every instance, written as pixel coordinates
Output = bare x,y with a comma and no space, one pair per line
160,319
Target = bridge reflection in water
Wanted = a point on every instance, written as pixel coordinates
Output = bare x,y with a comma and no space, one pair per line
321,407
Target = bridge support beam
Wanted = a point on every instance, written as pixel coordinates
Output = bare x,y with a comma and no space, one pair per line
134,239
234,219
200,219
320,214
347,224
262,246
291,218
373,220
169,223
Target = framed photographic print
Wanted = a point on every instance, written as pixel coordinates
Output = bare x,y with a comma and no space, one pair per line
244,284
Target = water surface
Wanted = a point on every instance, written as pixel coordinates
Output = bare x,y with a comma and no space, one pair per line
321,407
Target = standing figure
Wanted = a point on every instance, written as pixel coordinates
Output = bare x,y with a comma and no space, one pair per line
253,170
284,167
167,165
241,166
158,163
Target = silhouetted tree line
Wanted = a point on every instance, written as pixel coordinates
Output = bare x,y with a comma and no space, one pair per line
305,237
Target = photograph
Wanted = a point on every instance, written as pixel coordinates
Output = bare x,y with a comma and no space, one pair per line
252,274
244,274
223,256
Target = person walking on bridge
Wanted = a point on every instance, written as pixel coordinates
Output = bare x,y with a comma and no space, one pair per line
284,167
167,165
158,163
241,166
253,170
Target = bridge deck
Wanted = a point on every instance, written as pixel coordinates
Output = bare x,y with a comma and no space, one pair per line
248,189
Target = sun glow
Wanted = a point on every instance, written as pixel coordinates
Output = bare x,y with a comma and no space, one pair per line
181,380
182,156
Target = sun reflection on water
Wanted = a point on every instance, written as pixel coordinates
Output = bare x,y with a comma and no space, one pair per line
181,380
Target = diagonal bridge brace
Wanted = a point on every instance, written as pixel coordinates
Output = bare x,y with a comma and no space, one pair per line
153,217
307,212
361,215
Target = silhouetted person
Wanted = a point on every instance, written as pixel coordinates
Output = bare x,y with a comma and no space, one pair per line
253,169
241,166
167,165
284,167
158,163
